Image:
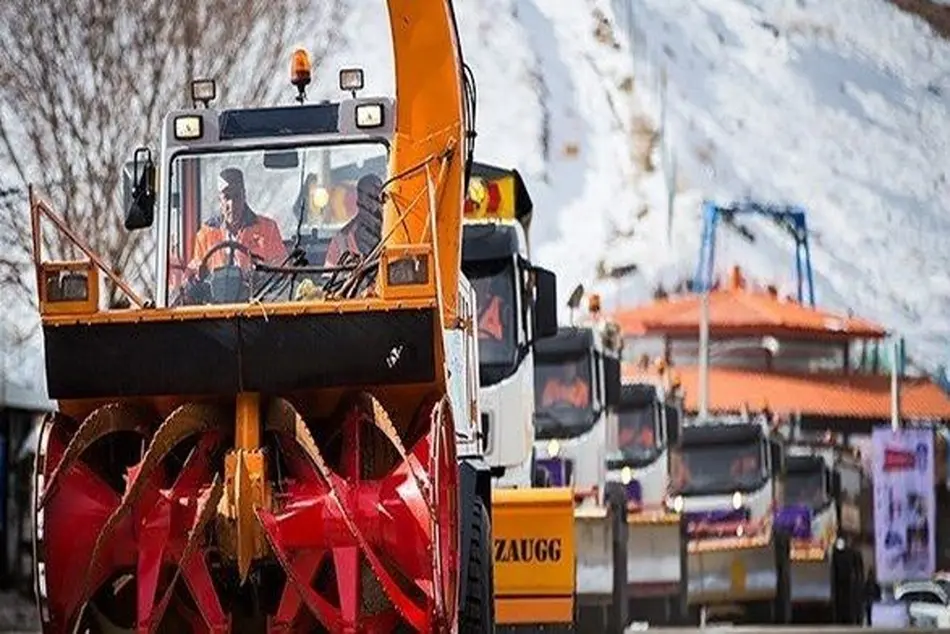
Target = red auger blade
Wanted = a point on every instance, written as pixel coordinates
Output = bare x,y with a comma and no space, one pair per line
390,540
93,529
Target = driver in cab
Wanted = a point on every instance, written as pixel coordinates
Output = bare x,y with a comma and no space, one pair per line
568,389
237,223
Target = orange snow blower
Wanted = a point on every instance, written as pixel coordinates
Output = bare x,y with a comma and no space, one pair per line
285,437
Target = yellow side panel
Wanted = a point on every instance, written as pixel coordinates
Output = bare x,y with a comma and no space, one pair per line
533,534
478,199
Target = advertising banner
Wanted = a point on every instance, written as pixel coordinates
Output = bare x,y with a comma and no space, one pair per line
904,504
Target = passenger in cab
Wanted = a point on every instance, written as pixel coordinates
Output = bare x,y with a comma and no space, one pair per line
638,432
362,233
238,223
568,389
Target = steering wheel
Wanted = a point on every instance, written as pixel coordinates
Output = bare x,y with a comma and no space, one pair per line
234,245
199,290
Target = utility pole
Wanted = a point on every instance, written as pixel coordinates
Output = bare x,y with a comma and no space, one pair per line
896,371
704,352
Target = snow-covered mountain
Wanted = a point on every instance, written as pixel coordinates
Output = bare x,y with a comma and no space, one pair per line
842,107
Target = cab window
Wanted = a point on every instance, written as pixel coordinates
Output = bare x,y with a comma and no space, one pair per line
563,396
494,283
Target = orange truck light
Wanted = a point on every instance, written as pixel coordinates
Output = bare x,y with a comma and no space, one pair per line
300,67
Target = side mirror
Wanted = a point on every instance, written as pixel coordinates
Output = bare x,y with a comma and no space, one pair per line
672,425
545,303
140,206
778,458
835,485
612,381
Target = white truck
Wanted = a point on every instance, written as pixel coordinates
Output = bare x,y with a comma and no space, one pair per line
532,540
649,416
727,479
577,383
517,307
825,488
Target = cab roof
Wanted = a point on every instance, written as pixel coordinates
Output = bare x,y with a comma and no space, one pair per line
569,341
715,432
637,395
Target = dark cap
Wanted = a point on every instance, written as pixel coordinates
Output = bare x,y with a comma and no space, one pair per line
369,187
231,182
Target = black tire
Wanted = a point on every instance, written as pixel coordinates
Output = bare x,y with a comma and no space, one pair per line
782,605
478,609
850,608
616,500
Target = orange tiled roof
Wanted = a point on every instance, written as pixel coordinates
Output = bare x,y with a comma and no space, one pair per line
739,310
820,394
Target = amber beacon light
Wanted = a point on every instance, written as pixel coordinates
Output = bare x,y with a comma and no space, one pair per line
300,71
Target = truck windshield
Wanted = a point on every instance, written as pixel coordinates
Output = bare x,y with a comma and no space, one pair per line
638,434
230,210
562,396
805,484
713,469
494,282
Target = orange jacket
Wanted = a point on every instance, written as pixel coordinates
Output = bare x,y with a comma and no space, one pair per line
344,240
556,391
262,237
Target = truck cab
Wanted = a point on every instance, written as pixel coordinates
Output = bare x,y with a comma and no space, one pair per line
648,423
577,389
727,477
517,307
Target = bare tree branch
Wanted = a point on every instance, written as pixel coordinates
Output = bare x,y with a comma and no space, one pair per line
83,82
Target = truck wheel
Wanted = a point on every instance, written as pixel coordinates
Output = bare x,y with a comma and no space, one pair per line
842,592
478,609
616,499
782,605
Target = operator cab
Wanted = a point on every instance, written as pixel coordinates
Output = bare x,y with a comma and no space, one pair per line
647,426
253,197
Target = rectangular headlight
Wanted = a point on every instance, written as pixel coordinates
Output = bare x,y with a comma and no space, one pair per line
203,90
187,127
369,115
351,79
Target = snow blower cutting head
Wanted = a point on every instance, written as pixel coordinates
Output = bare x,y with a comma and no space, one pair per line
266,464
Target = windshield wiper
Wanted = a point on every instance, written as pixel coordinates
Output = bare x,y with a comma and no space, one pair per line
559,426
